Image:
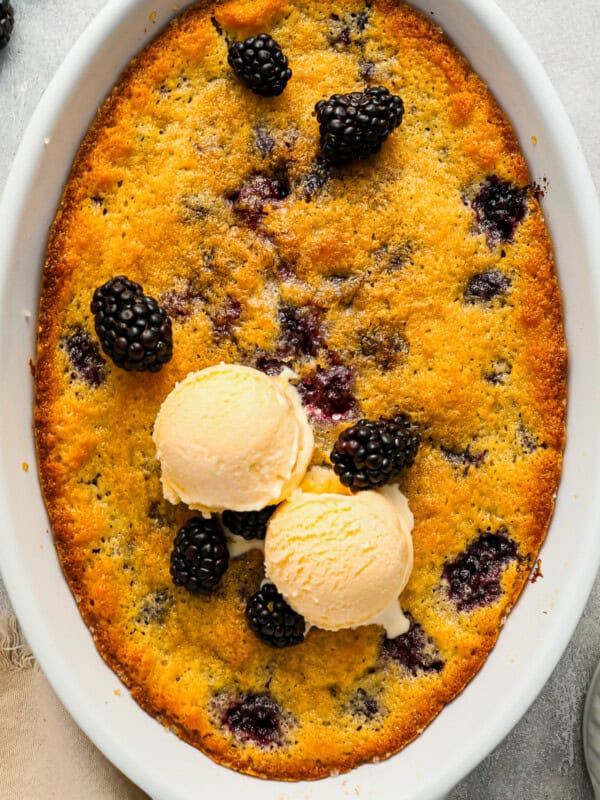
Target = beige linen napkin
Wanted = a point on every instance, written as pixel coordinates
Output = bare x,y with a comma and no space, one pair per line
43,754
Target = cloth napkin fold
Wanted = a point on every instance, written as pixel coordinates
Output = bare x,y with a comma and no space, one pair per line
43,754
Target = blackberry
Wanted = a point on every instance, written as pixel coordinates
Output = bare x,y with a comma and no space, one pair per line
248,524
7,22
464,459
269,365
199,557
256,718
355,125
85,357
301,331
473,578
265,143
257,192
485,286
414,650
315,180
272,620
328,393
260,64
499,206
133,329
224,319
371,453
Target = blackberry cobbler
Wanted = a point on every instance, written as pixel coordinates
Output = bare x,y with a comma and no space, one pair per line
324,191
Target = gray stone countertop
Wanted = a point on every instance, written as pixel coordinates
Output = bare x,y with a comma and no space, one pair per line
542,758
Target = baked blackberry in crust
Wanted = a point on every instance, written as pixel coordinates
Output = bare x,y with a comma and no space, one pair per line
361,278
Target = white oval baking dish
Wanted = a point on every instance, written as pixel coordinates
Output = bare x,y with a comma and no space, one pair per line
545,616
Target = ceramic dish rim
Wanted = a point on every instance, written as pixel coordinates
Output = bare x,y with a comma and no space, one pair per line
63,85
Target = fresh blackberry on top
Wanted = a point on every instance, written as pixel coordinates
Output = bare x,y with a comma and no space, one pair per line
199,557
372,453
259,62
272,619
7,22
248,524
133,329
355,125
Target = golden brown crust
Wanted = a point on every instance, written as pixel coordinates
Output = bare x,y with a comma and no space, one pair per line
381,252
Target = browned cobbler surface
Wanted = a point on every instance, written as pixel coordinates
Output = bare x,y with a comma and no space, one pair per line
366,279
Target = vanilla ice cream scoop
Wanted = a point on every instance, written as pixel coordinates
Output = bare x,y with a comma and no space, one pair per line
231,437
342,560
